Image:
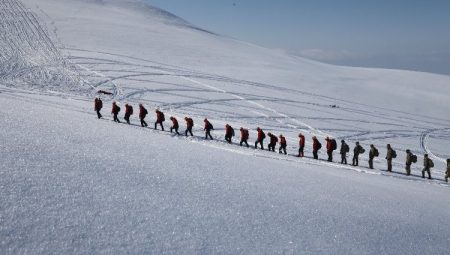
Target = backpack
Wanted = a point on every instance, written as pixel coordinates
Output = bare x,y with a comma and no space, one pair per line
347,148
162,117
263,135
362,150
414,158
430,163
118,108
232,131
210,126
376,153
131,110
334,144
394,154
319,145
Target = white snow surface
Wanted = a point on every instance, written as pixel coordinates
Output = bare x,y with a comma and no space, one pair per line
70,183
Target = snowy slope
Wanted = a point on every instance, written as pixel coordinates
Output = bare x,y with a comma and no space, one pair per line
79,185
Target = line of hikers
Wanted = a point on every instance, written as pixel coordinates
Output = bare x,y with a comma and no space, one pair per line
331,144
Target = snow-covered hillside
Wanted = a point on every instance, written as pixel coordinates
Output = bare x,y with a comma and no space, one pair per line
72,183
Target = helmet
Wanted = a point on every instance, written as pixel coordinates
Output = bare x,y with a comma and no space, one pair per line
205,120
342,141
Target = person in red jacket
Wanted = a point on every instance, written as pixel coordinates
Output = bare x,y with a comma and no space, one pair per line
283,145
175,125
159,119
301,143
329,149
316,147
142,114
98,105
229,133
128,112
244,136
189,125
260,138
208,127
114,111
273,141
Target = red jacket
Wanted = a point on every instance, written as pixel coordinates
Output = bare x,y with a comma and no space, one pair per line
142,112
329,145
302,141
207,125
159,116
174,122
244,134
189,123
98,104
229,131
315,144
273,139
261,135
283,140
115,109
128,110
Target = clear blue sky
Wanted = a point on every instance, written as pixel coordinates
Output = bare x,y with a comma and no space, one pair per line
406,34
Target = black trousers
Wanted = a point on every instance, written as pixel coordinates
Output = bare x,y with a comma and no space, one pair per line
127,118
315,154
115,118
330,156
282,149
174,128
389,165
259,142
143,123
371,163
272,146
300,151
99,115
244,141
344,158
355,160
427,170
188,130
208,134
160,123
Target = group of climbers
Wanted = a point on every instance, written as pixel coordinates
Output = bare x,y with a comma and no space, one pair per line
331,144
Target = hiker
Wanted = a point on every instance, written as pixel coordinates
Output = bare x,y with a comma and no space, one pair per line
273,141
372,154
447,173
344,150
115,110
142,114
409,161
159,119
229,133
283,145
208,127
98,105
175,125
244,136
356,151
316,147
189,125
128,112
427,165
260,138
301,144
330,148
390,154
